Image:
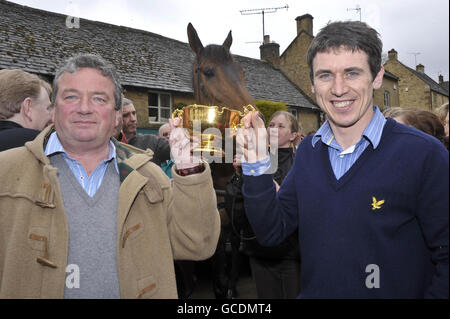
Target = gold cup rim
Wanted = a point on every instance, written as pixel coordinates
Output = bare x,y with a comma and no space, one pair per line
220,109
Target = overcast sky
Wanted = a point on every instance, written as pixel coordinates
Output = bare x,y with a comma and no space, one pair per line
409,26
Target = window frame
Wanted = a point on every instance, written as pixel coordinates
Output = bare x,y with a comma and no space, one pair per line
160,119
294,112
387,95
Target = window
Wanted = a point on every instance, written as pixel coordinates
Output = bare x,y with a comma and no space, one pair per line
159,107
387,99
293,112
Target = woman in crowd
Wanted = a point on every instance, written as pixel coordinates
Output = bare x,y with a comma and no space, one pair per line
275,270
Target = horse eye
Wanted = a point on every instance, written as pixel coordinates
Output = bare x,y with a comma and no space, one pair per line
208,72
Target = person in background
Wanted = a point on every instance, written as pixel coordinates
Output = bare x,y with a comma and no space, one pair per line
158,145
118,134
442,113
164,131
392,112
368,195
423,120
276,270
25,107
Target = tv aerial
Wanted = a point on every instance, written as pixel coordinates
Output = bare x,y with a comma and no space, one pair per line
415,57
262,11
358,9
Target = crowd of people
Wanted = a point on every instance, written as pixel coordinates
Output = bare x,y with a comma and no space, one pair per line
91,208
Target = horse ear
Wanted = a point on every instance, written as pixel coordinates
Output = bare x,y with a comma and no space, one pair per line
228,41
194,40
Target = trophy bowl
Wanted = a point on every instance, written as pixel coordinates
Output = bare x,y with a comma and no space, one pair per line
213,124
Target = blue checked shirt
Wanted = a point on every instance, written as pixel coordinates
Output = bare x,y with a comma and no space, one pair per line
341,160
89,183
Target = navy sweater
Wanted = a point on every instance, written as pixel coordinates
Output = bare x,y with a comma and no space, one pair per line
343,232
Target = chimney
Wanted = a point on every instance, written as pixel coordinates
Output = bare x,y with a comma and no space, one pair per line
420,68
305,23
441,79
392,54
270,52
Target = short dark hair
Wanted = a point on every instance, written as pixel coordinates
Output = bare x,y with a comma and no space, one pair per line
353,35
90,61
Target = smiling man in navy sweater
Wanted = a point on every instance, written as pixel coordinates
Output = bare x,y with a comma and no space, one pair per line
369,196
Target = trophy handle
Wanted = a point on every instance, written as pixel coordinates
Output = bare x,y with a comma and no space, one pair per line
247,109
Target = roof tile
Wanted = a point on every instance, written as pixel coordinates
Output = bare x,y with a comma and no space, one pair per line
39,41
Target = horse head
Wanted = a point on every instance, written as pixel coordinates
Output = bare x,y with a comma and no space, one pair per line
217,78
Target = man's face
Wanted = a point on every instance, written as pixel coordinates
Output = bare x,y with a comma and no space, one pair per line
344,87
129,120
42,111
84,112
118,127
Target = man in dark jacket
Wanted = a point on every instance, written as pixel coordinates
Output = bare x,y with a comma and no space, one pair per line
159,145
25,107
368,195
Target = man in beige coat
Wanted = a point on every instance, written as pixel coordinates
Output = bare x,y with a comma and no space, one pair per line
84,216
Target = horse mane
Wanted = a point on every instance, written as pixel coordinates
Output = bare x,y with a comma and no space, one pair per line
217,53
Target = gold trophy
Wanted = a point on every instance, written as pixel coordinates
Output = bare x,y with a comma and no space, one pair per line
211,123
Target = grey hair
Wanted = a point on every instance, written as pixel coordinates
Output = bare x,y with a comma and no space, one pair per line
94,62
126,101
161,127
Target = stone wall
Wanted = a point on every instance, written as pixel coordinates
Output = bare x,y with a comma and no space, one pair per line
413,92
293,63
309,120
391,86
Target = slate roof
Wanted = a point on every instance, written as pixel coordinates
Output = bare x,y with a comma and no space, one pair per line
434,86
390,75
265,82
38,41
445,85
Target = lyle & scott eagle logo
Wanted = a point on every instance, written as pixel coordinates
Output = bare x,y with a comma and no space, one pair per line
376,204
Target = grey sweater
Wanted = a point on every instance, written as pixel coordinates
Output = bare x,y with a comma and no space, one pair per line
92,267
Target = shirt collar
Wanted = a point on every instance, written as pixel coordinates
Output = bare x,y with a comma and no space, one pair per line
54,146
372,132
